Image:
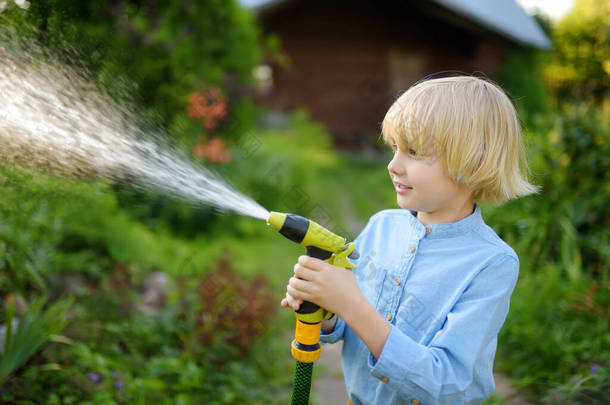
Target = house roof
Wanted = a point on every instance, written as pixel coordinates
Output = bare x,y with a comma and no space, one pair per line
504,17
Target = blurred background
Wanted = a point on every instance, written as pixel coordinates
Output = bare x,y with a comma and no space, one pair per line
115,296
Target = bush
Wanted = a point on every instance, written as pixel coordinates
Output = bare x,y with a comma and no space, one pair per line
579,68
154,53
571,225
52,227
556,334
167,356
25,332
232,310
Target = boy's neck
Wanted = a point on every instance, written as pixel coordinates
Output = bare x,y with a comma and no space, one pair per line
448,215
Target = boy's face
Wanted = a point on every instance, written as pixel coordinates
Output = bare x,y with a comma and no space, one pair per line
421,184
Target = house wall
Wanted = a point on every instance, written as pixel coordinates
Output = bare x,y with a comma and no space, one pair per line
348,62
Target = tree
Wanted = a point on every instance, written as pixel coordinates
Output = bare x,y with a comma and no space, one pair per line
580,67
154,52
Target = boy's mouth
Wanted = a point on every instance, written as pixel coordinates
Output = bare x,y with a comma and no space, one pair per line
401,188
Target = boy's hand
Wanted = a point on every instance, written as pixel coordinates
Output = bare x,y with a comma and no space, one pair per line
331,287
291,302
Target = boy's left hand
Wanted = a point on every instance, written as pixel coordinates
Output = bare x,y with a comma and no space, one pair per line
331,287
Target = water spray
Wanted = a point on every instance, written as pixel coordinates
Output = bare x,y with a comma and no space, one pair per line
52,118
324,245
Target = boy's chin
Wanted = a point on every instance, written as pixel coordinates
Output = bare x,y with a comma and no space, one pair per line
405,205
409,205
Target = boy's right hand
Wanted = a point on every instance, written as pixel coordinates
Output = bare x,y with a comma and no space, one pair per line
291,302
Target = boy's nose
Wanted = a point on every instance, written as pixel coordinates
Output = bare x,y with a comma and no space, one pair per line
395,168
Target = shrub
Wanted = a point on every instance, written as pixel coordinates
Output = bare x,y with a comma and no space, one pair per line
24,334
556,333
231,308
571,225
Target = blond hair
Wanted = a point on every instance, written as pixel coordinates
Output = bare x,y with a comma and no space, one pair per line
471,126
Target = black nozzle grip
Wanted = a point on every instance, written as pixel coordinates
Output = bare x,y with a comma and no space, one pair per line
309,307
318,253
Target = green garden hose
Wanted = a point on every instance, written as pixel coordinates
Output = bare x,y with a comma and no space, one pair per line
302,383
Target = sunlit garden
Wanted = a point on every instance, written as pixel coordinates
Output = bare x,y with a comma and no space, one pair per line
115,294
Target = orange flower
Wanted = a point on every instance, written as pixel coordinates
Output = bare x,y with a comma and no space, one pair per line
215,151
209,106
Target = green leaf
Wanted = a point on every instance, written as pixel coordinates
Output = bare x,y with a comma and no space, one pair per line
35,327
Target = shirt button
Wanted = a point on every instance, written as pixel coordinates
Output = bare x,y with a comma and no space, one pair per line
415,402
397,281
388,316
428,230
384,380
412,249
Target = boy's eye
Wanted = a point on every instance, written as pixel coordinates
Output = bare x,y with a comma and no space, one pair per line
412,152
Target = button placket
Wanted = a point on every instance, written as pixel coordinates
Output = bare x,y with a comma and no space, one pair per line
397,284
399,280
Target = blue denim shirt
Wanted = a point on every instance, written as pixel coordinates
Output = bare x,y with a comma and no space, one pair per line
445,290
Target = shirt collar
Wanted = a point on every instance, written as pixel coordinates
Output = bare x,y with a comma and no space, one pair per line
451,230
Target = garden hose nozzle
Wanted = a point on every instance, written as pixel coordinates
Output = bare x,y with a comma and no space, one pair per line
319,241
321,244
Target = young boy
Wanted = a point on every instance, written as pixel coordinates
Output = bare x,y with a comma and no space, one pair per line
420,314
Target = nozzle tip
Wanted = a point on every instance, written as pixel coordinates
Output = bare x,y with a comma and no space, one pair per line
276,220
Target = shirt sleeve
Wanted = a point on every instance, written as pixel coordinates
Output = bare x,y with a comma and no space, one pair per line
336,334
462,352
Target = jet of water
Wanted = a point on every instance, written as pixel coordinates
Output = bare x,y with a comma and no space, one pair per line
52,117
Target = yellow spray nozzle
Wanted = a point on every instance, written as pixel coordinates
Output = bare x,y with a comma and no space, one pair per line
276,220
312,235
305,231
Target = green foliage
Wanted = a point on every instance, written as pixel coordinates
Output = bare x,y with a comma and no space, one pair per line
280,168
33,215
51,227
556,334
494,400
555,338
233,310
587,389
121,355
556,331
580,67
24,335
58,234
571,226
155,53
521,80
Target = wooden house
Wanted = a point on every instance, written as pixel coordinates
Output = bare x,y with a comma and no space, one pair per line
348,60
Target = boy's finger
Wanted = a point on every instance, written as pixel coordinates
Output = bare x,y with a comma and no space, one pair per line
298,295
298,284
311,262
291,302
304,272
